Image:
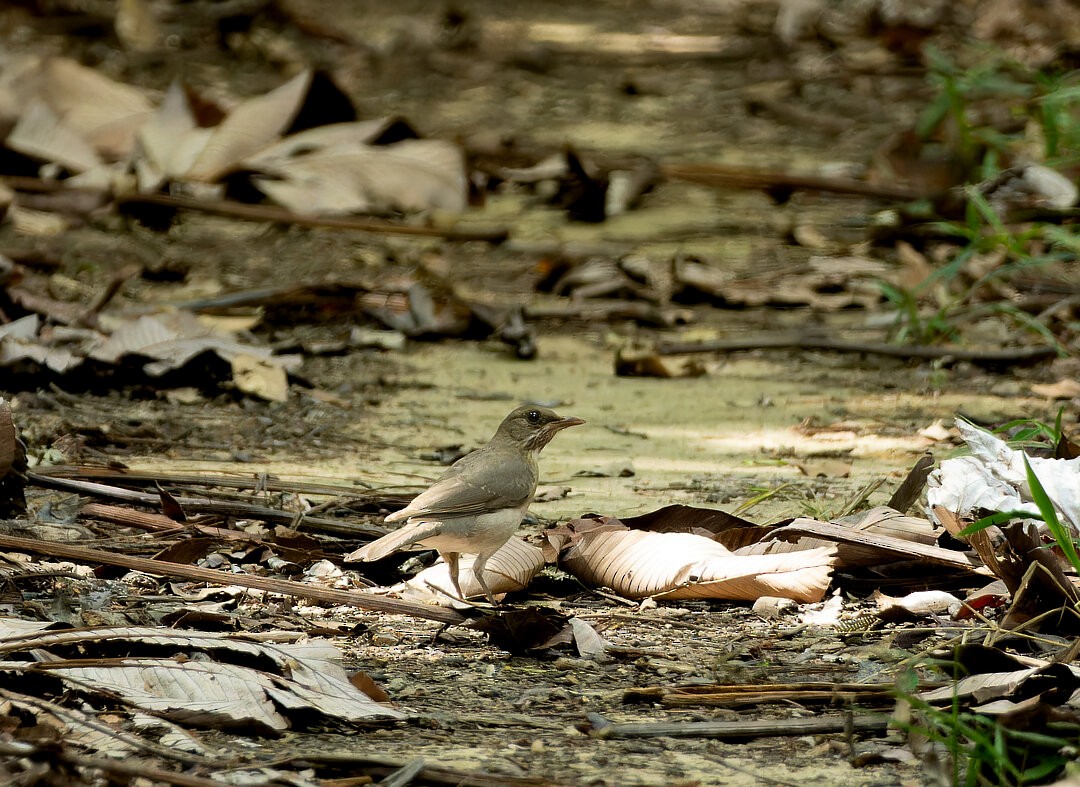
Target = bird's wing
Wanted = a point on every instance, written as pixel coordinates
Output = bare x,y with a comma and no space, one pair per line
406,535
471,487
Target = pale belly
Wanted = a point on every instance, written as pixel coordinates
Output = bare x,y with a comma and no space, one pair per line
476,535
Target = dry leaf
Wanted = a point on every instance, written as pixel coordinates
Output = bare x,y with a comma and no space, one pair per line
42,134
639,564
19,341
37,720
367,684
991,674
524,630
824,468
921,603
105,113
936,432
728,529
649,363
170,141
334,136
173,339
510,569
249,127
137,27
293,680
412,175
260,377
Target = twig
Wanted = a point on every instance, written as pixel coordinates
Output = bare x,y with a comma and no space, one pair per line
266,584
200,506
112,287
255,481
742,729
1018,355
405,775
840,534
431,774
143,770
74,719
736,695
777,181
273,213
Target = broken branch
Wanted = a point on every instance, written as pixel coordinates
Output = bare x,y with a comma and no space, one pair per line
266,584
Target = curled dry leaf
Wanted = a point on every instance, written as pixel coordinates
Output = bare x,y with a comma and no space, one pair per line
170,140
105,113
43,134
249,127
34,720
510,569
917,604
638,564
991,674
862,548
415,174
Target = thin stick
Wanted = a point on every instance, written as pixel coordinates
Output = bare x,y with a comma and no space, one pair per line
1018,355
267,584
275,214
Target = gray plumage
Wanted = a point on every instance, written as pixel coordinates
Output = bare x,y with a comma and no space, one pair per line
480,500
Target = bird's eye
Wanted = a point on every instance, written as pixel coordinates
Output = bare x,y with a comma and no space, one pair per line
533,416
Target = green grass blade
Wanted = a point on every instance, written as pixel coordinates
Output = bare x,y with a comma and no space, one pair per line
1060,533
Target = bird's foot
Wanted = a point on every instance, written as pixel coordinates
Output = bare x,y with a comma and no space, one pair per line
458,598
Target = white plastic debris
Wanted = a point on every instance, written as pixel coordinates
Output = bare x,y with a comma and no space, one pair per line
993,478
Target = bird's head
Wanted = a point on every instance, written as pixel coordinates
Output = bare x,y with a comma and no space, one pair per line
532,426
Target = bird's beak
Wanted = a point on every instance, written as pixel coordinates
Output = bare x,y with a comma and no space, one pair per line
545,433
563,423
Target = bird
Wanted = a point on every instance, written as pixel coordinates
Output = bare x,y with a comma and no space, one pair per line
478,503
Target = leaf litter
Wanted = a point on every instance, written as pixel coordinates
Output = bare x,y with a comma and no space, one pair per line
595,612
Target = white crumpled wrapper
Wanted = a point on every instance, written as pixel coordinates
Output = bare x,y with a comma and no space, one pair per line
993,478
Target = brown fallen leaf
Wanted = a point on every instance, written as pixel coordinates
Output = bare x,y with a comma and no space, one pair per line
260,377
638,564
649,363
824,468
367,684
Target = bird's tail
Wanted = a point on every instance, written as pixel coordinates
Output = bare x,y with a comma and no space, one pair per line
381,547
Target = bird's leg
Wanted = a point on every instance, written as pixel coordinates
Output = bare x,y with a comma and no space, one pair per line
451,560
478,572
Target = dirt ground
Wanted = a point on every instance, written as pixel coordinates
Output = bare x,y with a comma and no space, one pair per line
552,74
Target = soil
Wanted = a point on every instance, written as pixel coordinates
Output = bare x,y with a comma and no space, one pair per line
553,74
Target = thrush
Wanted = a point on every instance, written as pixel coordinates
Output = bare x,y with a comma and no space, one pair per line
479,502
